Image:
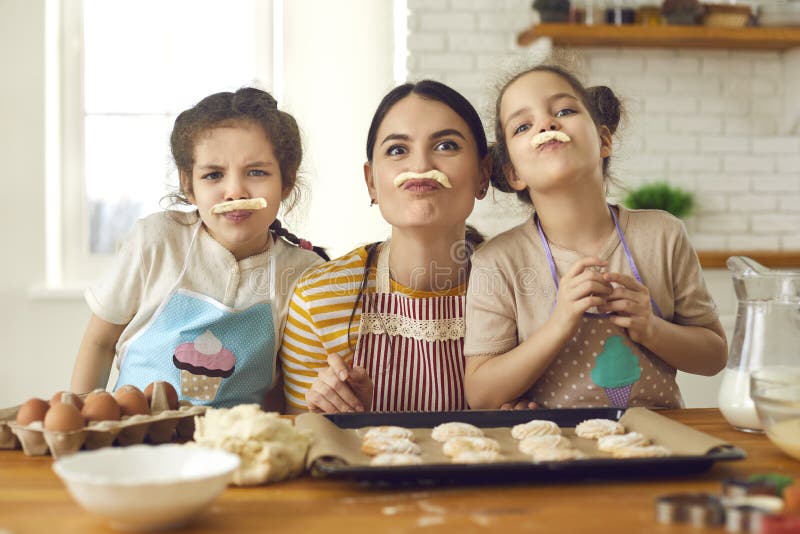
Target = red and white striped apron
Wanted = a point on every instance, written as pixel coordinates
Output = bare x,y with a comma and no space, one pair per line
412,348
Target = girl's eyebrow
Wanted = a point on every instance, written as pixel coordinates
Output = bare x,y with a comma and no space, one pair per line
551,98
261,164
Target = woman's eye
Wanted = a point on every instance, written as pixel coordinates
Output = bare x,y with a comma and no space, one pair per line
447,145
564,112
522,128
216,175
396,150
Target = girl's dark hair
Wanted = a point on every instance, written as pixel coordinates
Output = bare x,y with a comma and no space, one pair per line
439,92
247,105
603,105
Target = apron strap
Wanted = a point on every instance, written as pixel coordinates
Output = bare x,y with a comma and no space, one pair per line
382,284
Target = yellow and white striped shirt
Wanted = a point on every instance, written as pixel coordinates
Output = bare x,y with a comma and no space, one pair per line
319,315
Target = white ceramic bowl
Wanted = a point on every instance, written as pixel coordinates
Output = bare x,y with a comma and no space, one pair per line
147,487
776,395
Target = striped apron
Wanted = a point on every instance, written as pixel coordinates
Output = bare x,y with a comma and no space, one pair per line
412,348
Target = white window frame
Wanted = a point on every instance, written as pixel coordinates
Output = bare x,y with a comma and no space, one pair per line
70,265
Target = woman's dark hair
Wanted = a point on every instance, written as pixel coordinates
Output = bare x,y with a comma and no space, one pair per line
247,105
438,92
603,105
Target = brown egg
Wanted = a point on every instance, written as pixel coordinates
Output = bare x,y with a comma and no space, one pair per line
63,417
32,410
172,395
131,401
100,406
68,397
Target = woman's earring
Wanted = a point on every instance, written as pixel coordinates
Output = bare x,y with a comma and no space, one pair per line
482,192
372,202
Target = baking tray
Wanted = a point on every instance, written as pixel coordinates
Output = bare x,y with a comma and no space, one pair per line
511,471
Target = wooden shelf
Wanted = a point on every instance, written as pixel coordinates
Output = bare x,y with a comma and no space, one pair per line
578,35
716,259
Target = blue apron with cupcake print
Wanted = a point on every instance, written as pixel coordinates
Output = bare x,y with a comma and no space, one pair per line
600,365
212,354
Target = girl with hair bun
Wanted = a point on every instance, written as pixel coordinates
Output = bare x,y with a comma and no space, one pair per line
586,304
199,298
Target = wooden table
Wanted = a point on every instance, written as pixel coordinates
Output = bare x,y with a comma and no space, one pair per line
33,499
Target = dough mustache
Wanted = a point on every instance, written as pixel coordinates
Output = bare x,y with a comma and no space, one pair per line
250,204
433,174
550,135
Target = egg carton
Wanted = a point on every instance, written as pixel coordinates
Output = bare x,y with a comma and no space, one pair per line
161,426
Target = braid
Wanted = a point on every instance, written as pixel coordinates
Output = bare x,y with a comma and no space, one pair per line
277,228
371,250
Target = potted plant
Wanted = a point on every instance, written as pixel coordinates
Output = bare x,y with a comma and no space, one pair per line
552,10
661,196
682,12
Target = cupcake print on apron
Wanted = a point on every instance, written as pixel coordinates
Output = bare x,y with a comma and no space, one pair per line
211,353
600,365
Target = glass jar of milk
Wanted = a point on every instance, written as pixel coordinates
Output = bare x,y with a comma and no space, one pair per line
767,333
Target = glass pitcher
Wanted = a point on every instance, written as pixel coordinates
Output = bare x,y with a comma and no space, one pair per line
767,333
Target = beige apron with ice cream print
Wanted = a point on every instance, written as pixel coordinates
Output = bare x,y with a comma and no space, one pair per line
412,348
600,365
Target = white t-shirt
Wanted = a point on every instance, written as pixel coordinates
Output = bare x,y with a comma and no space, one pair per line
150,261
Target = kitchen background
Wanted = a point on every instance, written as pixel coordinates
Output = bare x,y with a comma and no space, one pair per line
723,124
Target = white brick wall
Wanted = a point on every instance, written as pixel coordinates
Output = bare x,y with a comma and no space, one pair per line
722,123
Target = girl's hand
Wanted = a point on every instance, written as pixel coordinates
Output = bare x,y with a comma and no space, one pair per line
338,388
519,404
583,287
630,304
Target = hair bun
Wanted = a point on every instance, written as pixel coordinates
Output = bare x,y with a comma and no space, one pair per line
248,97
607,105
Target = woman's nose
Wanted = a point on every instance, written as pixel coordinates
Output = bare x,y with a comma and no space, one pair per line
421,162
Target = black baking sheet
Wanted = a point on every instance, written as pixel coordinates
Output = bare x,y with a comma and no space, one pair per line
513,471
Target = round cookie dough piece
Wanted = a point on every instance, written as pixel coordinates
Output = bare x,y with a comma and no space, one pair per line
460,444
534,443
620,441
374,447
381,432
395,458
536,427
446,431
597,428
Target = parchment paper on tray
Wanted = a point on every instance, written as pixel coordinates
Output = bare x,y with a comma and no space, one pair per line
344,444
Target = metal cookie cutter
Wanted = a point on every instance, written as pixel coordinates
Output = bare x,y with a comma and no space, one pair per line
746,513
697,509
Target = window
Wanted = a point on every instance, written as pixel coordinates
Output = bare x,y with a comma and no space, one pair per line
127,68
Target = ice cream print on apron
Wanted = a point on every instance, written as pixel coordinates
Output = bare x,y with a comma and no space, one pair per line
412,348
211,353
600,365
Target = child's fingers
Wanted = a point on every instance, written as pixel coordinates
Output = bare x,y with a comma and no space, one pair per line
625,280
338,365
584,263
591,301
336,391
318,404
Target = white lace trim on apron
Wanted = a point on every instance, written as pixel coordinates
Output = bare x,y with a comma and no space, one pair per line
425,330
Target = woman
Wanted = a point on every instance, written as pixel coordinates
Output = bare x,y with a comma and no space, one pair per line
381,328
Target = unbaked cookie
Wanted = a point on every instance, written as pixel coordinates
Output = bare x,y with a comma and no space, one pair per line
455,446
597,428
376,446
537,427
649,451
614,442
380,432
396,458
557,455
478,457
446,431
533,443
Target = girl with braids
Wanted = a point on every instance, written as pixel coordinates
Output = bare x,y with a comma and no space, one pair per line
382,327
199,298
586,303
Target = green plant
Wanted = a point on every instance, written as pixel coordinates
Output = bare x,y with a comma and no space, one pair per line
661,196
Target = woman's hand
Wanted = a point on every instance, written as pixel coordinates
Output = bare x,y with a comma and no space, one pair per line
339,388
630,304
583,287
519,404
